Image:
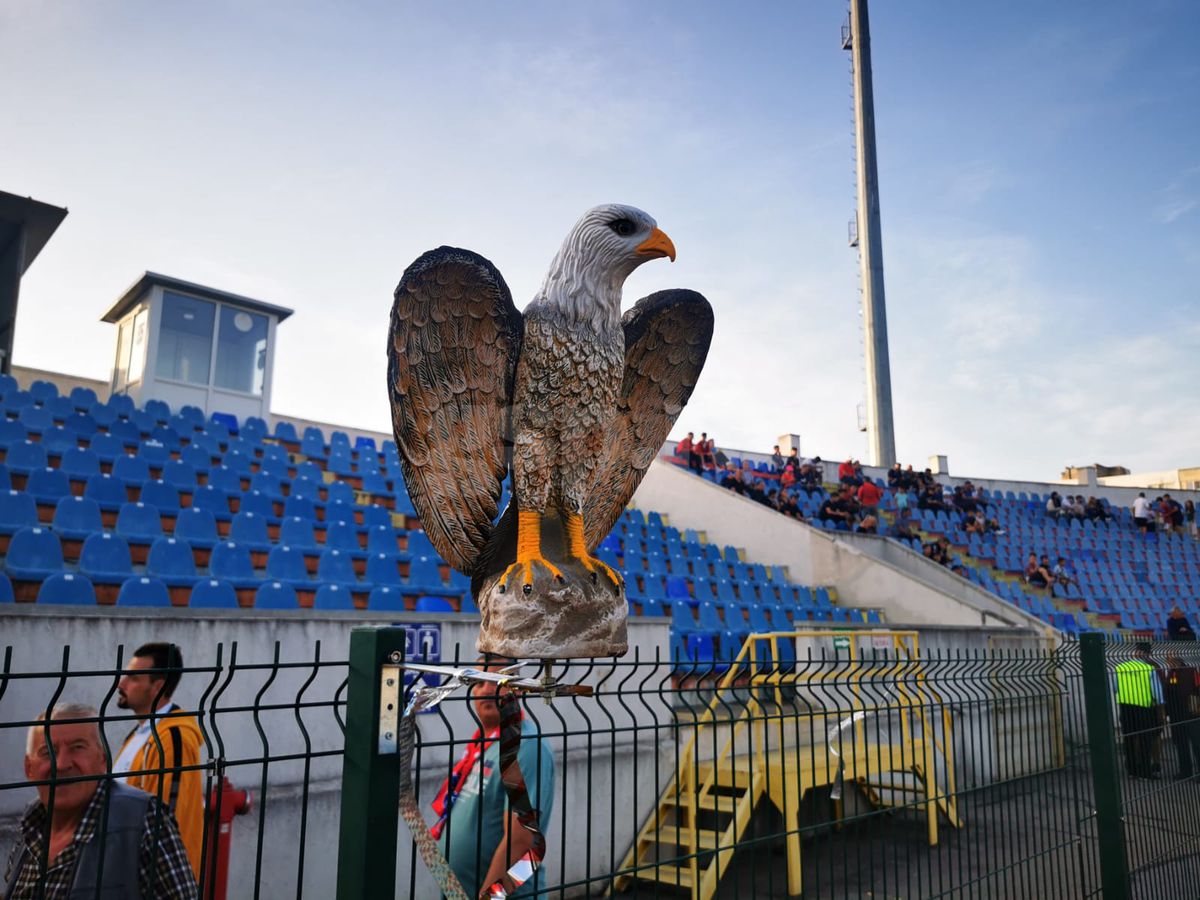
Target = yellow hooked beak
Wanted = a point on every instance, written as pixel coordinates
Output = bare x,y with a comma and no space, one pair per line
658,244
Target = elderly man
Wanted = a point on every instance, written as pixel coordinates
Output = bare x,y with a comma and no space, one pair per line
78,833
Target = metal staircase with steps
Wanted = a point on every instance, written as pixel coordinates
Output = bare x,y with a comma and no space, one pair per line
853,717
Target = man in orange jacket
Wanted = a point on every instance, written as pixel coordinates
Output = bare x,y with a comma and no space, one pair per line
161,754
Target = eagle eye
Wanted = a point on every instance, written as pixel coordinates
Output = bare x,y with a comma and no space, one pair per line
623,227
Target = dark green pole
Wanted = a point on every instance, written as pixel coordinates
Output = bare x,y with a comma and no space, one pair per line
1106,773
370,782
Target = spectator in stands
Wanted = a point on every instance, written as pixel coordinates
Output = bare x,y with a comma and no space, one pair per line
1178,627
869,496
972,525
910,479
926,477
479,835
868,525
901,529
965,499
811,473
787,478
902,501
1035,574
895,477
1141,513
140,853
1095,510
931,497
686,449
834,510
731,478
1189,517
1077,510
1054,505
1061,575
704,447
166,738
1172,514
788,506
719,458
1181,693
1139,708
776,459
847,474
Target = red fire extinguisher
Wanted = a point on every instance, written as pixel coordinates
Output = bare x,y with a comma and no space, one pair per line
224,803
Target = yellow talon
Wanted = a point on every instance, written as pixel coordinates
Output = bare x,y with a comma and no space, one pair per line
524,569
529,551
577,549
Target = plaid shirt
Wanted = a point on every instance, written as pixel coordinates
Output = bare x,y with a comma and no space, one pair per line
164,872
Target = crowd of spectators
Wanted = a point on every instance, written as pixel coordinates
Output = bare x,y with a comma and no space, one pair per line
1165,514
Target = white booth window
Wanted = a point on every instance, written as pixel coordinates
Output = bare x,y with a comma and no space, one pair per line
137,351
241,351
185,339
121,373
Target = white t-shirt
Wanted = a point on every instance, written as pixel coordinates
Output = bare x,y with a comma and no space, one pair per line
1140,506
137,740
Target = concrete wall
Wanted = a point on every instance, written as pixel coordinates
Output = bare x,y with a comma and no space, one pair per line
867,571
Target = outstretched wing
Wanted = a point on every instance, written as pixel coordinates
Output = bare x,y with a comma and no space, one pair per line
667,335
453,345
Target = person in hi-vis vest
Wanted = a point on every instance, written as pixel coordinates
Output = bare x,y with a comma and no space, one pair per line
157,753
1140,710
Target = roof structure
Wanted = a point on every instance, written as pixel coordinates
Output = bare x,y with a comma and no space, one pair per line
138,289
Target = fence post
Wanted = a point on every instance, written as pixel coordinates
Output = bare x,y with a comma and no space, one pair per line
1106,773
370,782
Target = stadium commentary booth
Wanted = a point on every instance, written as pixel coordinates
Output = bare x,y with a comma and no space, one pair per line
190,345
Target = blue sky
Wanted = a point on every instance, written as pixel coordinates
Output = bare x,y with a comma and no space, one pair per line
1039,171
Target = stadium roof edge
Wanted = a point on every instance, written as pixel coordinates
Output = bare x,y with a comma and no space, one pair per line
151,279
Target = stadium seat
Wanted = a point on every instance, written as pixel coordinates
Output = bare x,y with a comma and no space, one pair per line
161,496
179,474
336,567
275,595
286,431
157,410
286,563
107,491
36,419
131,470
343,536
212,593
253,429
213,500
297,532
299,507
171,560
251,531
48,485
57,441
226,420
383,568
6,589
25,457
105,559
260,504
17,510
121,404
145,592
11,432
231,561
75,518
82,398
33,554
382,540
69,588
385,598
333,597
425,575
198,527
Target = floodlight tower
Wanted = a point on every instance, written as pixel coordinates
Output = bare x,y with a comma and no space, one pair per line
856,37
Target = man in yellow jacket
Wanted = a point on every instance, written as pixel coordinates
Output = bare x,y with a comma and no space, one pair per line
161,754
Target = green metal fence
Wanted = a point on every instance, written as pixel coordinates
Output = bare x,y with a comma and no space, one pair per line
817,764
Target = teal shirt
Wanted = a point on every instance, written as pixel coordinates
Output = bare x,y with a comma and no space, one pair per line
476,825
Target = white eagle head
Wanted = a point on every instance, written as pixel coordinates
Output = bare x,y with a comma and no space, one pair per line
600,252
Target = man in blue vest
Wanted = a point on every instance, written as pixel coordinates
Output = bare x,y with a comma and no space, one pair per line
1140,709
93,830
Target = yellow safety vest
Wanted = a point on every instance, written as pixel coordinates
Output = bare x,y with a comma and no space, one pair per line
1133,683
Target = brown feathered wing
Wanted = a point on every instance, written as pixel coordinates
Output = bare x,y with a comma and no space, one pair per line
667,336
453,346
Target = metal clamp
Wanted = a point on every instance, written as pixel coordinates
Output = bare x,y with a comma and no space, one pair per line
391,683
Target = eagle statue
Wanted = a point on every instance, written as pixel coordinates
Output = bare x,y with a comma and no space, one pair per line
572,396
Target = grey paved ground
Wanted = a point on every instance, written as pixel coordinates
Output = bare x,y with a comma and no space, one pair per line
1032,838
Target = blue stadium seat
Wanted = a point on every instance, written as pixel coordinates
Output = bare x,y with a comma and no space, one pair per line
139,522
297,532
286,431
36,419
383,568
212,593
385,598
419,545
12,432
424,575
231,561
17,510
171,560
14,401
57,441
80,464
121,404
198,527
253,429
131,470
299,507
381,539
336,567
333,597
260,504
48,485
6,589
286,563
343,535
375,515
82,398
75,518
197,458
155,454
105,558
25,457
682,620
268,484
434,604
179,474
145,592
34,554
126,432
228,421
339,492
339,511
305,488
108,491
214,500
68,588
161,496
8,384
275,595
5,480
341,465
313,443
157,410
102,414
251,531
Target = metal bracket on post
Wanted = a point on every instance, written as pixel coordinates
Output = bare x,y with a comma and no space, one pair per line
391,684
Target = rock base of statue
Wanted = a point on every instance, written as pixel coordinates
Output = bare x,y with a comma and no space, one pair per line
570,619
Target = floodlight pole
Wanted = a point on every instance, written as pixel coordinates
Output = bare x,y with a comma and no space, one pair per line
880,433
